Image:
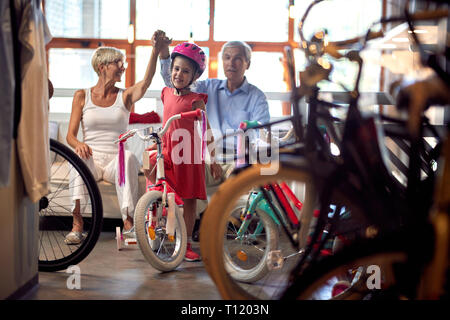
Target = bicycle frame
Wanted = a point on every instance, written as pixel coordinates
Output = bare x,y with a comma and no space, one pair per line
257,200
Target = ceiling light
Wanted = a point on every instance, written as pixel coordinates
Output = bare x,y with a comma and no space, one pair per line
131,33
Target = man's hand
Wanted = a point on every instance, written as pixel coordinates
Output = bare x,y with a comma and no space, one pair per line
216,170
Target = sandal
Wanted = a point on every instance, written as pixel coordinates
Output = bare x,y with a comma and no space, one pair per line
74,237
129,233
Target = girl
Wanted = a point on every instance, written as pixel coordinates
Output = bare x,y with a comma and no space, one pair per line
184,172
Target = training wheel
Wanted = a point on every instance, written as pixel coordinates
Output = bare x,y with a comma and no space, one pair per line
122,240
118,238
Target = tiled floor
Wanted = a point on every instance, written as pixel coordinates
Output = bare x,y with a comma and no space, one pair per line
109,274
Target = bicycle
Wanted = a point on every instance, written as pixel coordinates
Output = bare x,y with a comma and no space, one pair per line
67,172
409,266
158,218
315,168
252,231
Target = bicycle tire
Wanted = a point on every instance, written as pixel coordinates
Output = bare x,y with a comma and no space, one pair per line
392,253
55,213
212,241
237,261
160,253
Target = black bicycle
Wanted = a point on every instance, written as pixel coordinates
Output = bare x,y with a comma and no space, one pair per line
406,256
356,185
67,173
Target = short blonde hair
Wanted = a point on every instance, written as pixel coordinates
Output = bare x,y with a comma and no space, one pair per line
105,55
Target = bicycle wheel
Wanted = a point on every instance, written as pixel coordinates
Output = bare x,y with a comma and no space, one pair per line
67,172
379,268
215,223
247,246
161,252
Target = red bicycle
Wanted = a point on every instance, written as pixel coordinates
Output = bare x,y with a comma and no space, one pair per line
158,218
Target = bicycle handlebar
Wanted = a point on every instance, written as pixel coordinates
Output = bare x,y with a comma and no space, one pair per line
332,48
345,43
191,114
184,115
422,15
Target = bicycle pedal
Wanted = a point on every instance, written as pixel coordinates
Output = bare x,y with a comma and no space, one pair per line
130,241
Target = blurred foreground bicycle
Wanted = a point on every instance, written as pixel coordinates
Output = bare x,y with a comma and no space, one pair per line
356,181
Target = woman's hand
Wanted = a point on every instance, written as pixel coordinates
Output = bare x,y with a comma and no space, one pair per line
83,151
216,170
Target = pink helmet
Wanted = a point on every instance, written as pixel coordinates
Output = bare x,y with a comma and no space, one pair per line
193,52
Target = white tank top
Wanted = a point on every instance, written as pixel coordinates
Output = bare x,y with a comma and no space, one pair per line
101,126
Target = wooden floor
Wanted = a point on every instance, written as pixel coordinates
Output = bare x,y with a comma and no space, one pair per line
109,274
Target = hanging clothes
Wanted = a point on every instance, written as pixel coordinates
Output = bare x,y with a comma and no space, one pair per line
7,87
33,140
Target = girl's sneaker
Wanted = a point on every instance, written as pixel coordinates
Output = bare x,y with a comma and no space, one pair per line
190,255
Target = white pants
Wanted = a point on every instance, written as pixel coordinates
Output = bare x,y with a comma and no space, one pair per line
104,167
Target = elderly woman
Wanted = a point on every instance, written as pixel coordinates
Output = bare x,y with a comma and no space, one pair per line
103,112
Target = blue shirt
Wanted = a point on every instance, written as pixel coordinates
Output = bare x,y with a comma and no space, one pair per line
225,109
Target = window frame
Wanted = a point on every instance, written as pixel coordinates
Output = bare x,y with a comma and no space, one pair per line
214,46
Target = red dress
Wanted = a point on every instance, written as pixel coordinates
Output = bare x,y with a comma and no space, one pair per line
184,168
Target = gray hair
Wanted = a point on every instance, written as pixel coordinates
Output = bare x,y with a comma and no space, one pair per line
105,55
241,44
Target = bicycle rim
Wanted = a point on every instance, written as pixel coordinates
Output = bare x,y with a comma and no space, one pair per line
67,171
213,243
161,252
246,247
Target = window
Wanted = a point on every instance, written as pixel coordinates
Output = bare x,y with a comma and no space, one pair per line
82,25
342,23
108,19
342,19
77,63
251,20
180,19
265,72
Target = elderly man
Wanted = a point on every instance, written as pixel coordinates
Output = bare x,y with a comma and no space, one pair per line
230,101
